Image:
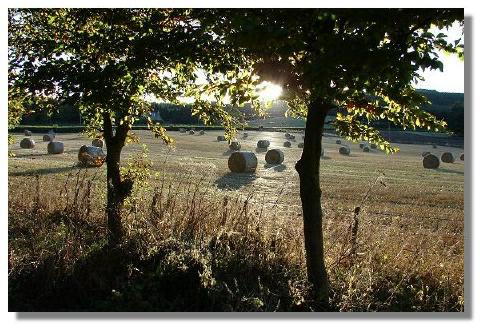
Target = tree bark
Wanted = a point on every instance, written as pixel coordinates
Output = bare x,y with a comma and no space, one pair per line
308,168
117,189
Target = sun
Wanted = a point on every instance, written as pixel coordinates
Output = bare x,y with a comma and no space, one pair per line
268,91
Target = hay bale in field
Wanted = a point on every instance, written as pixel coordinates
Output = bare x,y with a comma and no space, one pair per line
366,149
338,142
461,157
27,143
291,137
287,144
235,146
27,133
434,146
48,137
221,138
274,156
361,145
263,144
373,146
191,132
201,132
260,128
55,147
242,162
91,156
447,157
287,135
300,145
97,142
344,150
245,134
425,153
431,161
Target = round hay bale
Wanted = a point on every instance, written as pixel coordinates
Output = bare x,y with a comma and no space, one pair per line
300,145
287,135
338,142
287,144
434,146
431,162
447,157
366,149
235,145
263,144
242,162
245,134
361,145
344,150
97,143
461,157
260,127
373,146
55,147
48,137
291,137
274,156
425,153
201,132
221,138
27,133
91,156
27,143
191,132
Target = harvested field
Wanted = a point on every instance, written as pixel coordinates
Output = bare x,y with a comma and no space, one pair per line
411,223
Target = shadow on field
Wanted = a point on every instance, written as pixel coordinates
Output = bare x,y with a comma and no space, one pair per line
261,150
440,169
45,171
72,151
233,181
276,168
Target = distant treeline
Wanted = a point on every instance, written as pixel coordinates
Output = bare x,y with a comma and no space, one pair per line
445,105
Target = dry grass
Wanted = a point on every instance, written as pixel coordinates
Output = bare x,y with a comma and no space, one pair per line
234,242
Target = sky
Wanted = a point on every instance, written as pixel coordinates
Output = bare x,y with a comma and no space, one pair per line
452,77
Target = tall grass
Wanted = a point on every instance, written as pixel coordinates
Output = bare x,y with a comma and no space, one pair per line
190,246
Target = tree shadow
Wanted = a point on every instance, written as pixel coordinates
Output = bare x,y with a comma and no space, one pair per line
234,181
276,167
44,171
173,278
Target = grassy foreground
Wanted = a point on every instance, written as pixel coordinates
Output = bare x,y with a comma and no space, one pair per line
200,240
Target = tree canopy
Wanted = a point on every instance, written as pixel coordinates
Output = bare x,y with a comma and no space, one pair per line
363,60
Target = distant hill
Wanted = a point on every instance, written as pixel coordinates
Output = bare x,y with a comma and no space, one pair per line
445,105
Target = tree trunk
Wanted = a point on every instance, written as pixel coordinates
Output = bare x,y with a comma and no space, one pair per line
308,168
117,189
